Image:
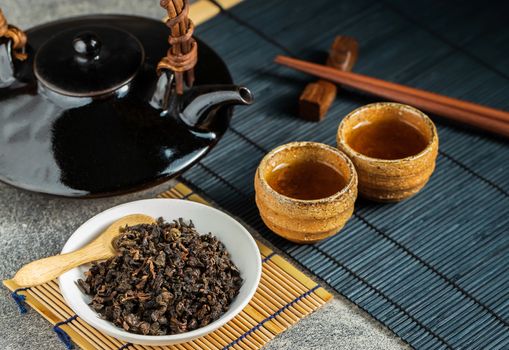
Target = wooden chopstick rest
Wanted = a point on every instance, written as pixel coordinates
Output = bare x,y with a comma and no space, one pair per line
317,97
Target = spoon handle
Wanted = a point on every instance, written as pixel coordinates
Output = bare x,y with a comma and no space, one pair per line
47,269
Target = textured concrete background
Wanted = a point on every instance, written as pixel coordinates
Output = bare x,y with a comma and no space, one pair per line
34,226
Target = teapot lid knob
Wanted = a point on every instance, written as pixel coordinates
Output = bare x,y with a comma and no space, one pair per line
87,45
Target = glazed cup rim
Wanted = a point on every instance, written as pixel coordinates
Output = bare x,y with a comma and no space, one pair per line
352,176
429,123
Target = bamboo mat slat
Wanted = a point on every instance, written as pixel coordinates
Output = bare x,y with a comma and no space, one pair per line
285,295
203,10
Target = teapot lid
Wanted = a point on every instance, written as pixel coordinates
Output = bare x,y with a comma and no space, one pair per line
88,61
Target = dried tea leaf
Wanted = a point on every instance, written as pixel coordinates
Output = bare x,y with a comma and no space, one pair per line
165,279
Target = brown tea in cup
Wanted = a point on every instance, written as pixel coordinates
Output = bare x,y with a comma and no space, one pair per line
305,179
387,139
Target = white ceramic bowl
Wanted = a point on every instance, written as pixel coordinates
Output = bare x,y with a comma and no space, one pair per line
242,247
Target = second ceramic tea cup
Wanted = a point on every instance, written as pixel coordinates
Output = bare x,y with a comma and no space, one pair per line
305,220
390,179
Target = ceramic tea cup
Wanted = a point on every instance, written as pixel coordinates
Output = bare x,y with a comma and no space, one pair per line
306,220
393,147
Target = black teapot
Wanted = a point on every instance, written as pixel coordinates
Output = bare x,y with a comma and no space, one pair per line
86,114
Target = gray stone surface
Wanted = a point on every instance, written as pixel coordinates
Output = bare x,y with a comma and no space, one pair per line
33,226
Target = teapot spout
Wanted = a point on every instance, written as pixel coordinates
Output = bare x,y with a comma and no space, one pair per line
200,103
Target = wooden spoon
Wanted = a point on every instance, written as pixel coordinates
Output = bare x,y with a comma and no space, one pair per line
47,269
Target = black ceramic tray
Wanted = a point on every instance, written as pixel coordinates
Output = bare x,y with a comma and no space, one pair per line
92,153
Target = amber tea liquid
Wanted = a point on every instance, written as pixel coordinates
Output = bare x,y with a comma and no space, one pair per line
306,180
387,139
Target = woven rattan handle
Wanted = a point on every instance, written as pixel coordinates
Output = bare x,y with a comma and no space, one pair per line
183,52
17,37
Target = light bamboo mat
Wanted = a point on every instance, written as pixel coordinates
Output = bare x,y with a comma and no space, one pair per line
203,10
284,296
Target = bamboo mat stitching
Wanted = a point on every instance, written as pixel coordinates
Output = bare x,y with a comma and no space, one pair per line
382,294
432,268
445,40
62,335
19,299
267,258
271,317
251,27
472,172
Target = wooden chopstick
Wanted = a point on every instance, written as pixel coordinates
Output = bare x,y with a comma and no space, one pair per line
483,117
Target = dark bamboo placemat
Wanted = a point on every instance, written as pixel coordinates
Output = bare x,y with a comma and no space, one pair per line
285,295
435,268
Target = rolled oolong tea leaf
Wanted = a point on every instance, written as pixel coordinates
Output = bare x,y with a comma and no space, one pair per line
165,279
